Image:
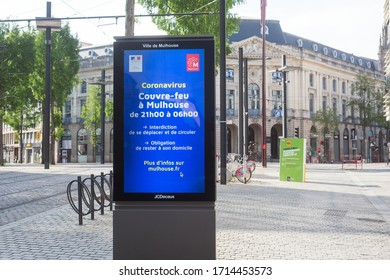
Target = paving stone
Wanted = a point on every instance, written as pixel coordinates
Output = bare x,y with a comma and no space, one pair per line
337,214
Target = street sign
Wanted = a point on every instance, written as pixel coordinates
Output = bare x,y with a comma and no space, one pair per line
277,76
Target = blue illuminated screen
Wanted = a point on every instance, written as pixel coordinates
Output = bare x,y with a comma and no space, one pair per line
164,121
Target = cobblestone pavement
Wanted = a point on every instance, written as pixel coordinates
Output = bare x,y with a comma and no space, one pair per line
336,214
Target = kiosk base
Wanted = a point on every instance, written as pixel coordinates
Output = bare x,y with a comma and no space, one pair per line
150,231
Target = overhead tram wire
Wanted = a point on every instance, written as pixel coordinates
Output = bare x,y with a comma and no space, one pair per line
104,17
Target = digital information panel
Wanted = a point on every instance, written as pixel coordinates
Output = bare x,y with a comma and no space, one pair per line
164,120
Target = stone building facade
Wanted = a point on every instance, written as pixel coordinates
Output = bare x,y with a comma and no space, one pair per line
318,77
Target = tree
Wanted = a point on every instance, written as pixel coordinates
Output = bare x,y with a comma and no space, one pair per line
22,115
64,69
328,122
192,24
368,102
129,24
91,114
16,63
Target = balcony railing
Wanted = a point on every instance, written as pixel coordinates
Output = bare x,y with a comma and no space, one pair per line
230,112
253,113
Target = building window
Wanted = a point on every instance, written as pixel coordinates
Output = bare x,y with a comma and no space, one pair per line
344,109
230,75
334,85
343,87
82,104
68,109
311,104
311,80
324,82
324,105
254,97
230,102
230,99
334,106
84,87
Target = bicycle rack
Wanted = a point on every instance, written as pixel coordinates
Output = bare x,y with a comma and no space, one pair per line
89,190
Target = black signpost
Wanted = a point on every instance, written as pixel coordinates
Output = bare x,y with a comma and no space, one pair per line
164,153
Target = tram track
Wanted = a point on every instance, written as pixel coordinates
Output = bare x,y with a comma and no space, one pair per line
28,192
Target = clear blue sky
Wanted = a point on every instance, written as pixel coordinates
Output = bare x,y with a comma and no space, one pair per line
353,26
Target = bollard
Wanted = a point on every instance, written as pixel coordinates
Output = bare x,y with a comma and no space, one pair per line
79,186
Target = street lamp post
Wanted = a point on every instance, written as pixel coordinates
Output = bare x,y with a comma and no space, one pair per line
222,79
263,85
102,115
102,84
47,24
241,141
284,69
284,81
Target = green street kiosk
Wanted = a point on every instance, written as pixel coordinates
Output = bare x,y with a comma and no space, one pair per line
292,160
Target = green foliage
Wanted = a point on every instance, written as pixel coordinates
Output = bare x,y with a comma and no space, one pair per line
22,76
327,121
64,69
91,113
109,110
192,24
368,100
16,64
57,120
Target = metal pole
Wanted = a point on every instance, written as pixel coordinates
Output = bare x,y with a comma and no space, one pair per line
246,128
284,97
111,190
240,102
46,119
264,88
102,115
92,203
222,86
80,203
102,193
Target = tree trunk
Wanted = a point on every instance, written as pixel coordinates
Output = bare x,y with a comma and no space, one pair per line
129,24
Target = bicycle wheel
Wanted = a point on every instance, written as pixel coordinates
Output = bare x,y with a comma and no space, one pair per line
230,167
251,164
243,175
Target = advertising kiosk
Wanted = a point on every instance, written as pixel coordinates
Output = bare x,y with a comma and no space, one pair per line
164,148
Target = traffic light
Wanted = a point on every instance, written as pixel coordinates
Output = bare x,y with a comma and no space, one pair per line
296,132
